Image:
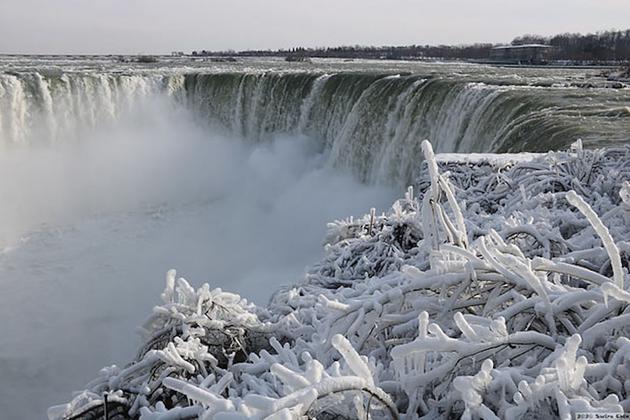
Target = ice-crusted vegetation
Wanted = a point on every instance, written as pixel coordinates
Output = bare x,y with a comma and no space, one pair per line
496,290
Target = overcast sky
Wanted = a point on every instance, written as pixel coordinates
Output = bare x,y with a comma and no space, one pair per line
161,26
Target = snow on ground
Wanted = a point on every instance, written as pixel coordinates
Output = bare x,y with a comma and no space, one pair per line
491,158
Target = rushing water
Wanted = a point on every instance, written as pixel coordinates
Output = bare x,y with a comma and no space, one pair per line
371,116
111,173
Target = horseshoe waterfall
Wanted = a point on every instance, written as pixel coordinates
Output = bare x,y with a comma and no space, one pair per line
352,239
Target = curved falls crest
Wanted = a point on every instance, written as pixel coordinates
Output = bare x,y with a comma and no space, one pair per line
370,123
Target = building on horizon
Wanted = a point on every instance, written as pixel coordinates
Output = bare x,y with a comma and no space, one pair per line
521,54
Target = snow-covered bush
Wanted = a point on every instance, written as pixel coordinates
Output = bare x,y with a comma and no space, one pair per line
499,290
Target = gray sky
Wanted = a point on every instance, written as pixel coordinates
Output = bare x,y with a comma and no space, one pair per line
160,26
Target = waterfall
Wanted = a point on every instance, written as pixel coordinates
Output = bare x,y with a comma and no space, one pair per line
371,123
36,108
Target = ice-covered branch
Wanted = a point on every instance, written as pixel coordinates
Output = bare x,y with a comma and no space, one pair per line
483,293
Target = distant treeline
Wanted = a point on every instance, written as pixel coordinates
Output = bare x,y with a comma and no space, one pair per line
478,51
609,46
601,46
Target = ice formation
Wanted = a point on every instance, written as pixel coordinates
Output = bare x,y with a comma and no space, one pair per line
499,290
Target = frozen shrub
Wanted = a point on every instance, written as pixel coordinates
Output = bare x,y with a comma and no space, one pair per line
498,290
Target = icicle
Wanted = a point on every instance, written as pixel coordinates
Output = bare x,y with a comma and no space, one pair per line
409,193
352,358
198,394
167,295
604,234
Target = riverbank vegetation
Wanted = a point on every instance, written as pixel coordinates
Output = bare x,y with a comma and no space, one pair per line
497,289
606,47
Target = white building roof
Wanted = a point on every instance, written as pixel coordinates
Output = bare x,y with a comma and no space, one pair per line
509,47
